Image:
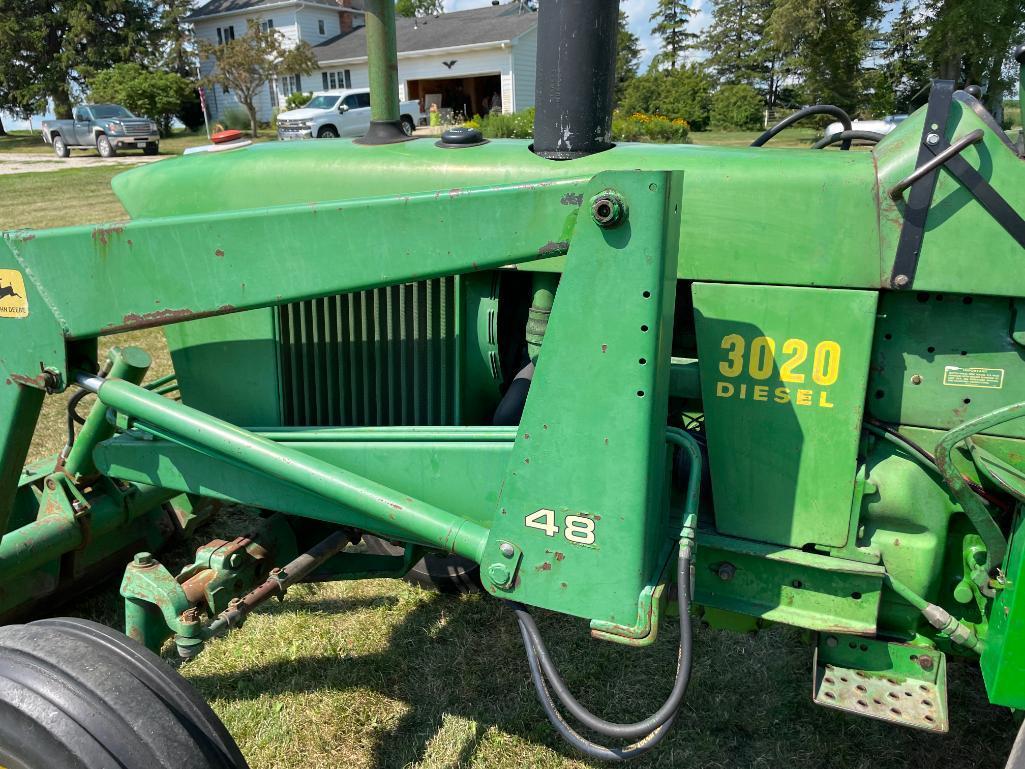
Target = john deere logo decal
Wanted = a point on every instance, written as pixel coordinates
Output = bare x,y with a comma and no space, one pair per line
13,299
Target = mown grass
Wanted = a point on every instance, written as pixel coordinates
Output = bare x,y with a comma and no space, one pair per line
381,674
31,142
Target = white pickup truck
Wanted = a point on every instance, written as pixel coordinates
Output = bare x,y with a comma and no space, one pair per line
330,114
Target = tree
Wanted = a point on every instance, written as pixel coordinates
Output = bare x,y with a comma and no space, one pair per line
153,94
970,41
737,107
740,51
179,54
671,18
831,40
905,70
628,55
245,64
50,47
419,8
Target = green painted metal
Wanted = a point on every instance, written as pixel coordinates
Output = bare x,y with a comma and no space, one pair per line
1003,659
773,377
584,494
381,57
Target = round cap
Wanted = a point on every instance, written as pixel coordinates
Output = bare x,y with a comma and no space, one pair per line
461,136
223,137
973,90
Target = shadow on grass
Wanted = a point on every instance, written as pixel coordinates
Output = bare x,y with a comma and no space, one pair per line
748,703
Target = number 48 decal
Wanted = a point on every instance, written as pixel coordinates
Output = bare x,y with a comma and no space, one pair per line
576,528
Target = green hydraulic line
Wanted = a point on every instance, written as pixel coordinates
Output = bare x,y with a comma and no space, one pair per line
992,536
544,285
959,632
161,381
422,521
382,53
130,364
483,434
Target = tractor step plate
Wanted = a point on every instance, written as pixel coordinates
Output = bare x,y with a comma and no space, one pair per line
892,682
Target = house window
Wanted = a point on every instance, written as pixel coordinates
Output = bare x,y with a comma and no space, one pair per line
225,34
341,78
291,84
320,27
266,26
273,94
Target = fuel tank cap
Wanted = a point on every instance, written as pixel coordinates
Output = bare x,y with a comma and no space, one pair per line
461,136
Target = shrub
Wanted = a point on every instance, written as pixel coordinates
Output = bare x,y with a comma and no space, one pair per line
235,118
297,100
737,107
519,125
684,93
640,127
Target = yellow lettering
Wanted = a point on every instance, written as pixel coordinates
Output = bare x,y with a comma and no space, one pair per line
798,350
824,400
743,391
803,397
826,366
735,363
761,393
782,395
763,348
724,390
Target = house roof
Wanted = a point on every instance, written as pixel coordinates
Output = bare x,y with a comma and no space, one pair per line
219,7
491,24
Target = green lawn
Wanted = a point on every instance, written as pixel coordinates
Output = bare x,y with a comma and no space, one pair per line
381,674
25,142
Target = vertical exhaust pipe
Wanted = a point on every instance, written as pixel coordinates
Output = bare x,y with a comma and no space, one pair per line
383,66
576,77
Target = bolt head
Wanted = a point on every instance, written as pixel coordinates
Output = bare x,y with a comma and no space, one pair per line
144,559
831,642
932,139
500,574
726,571
916,379
925,662
507,550
901,281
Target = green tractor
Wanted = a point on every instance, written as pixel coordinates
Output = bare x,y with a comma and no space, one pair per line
631,384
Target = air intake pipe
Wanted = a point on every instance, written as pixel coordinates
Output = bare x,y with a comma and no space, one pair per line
576,77
383,66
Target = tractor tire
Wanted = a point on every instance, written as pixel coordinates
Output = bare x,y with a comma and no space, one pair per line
77,695
328,132
60,149
407,125
1017,758
451,574
104,147
151,149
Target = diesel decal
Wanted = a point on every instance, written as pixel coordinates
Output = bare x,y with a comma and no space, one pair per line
13,299
810,372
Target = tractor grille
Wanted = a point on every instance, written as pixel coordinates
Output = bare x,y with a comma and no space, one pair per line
386,356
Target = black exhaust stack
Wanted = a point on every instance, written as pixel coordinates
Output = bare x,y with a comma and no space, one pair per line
576,77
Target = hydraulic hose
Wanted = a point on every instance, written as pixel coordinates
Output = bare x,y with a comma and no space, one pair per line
818,109
849,136
543,672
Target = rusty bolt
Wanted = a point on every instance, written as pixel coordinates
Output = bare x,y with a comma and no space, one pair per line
51,484
925,662
500,574
901,280
144,559
507,550
608,209
726,571
916,379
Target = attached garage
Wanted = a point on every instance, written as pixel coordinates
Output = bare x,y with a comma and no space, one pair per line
465,61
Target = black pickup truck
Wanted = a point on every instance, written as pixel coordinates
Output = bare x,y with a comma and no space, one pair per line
106,128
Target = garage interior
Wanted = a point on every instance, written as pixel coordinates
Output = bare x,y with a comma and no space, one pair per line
466,96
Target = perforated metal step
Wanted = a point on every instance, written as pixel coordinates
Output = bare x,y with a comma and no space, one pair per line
891,682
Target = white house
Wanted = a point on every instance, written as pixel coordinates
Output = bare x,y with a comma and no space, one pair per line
467,61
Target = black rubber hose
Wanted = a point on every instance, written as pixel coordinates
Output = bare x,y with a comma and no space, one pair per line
818,109
73,402
853,136
651,729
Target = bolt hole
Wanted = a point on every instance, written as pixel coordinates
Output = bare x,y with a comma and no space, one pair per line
964,352
853,645
861,688
880,394
923,688
930,719
967,300
797,584
887,336
932,350
939,297
856,596
829,679
967,401
644,328
646,295
893,696
640,393
643,361
906,694
830,695
923,298
863,703
878,702
895,711
843,680
927,703
863,647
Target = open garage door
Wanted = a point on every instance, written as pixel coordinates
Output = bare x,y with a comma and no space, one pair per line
465,96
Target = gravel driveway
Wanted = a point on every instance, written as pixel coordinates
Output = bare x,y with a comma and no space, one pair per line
24,163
